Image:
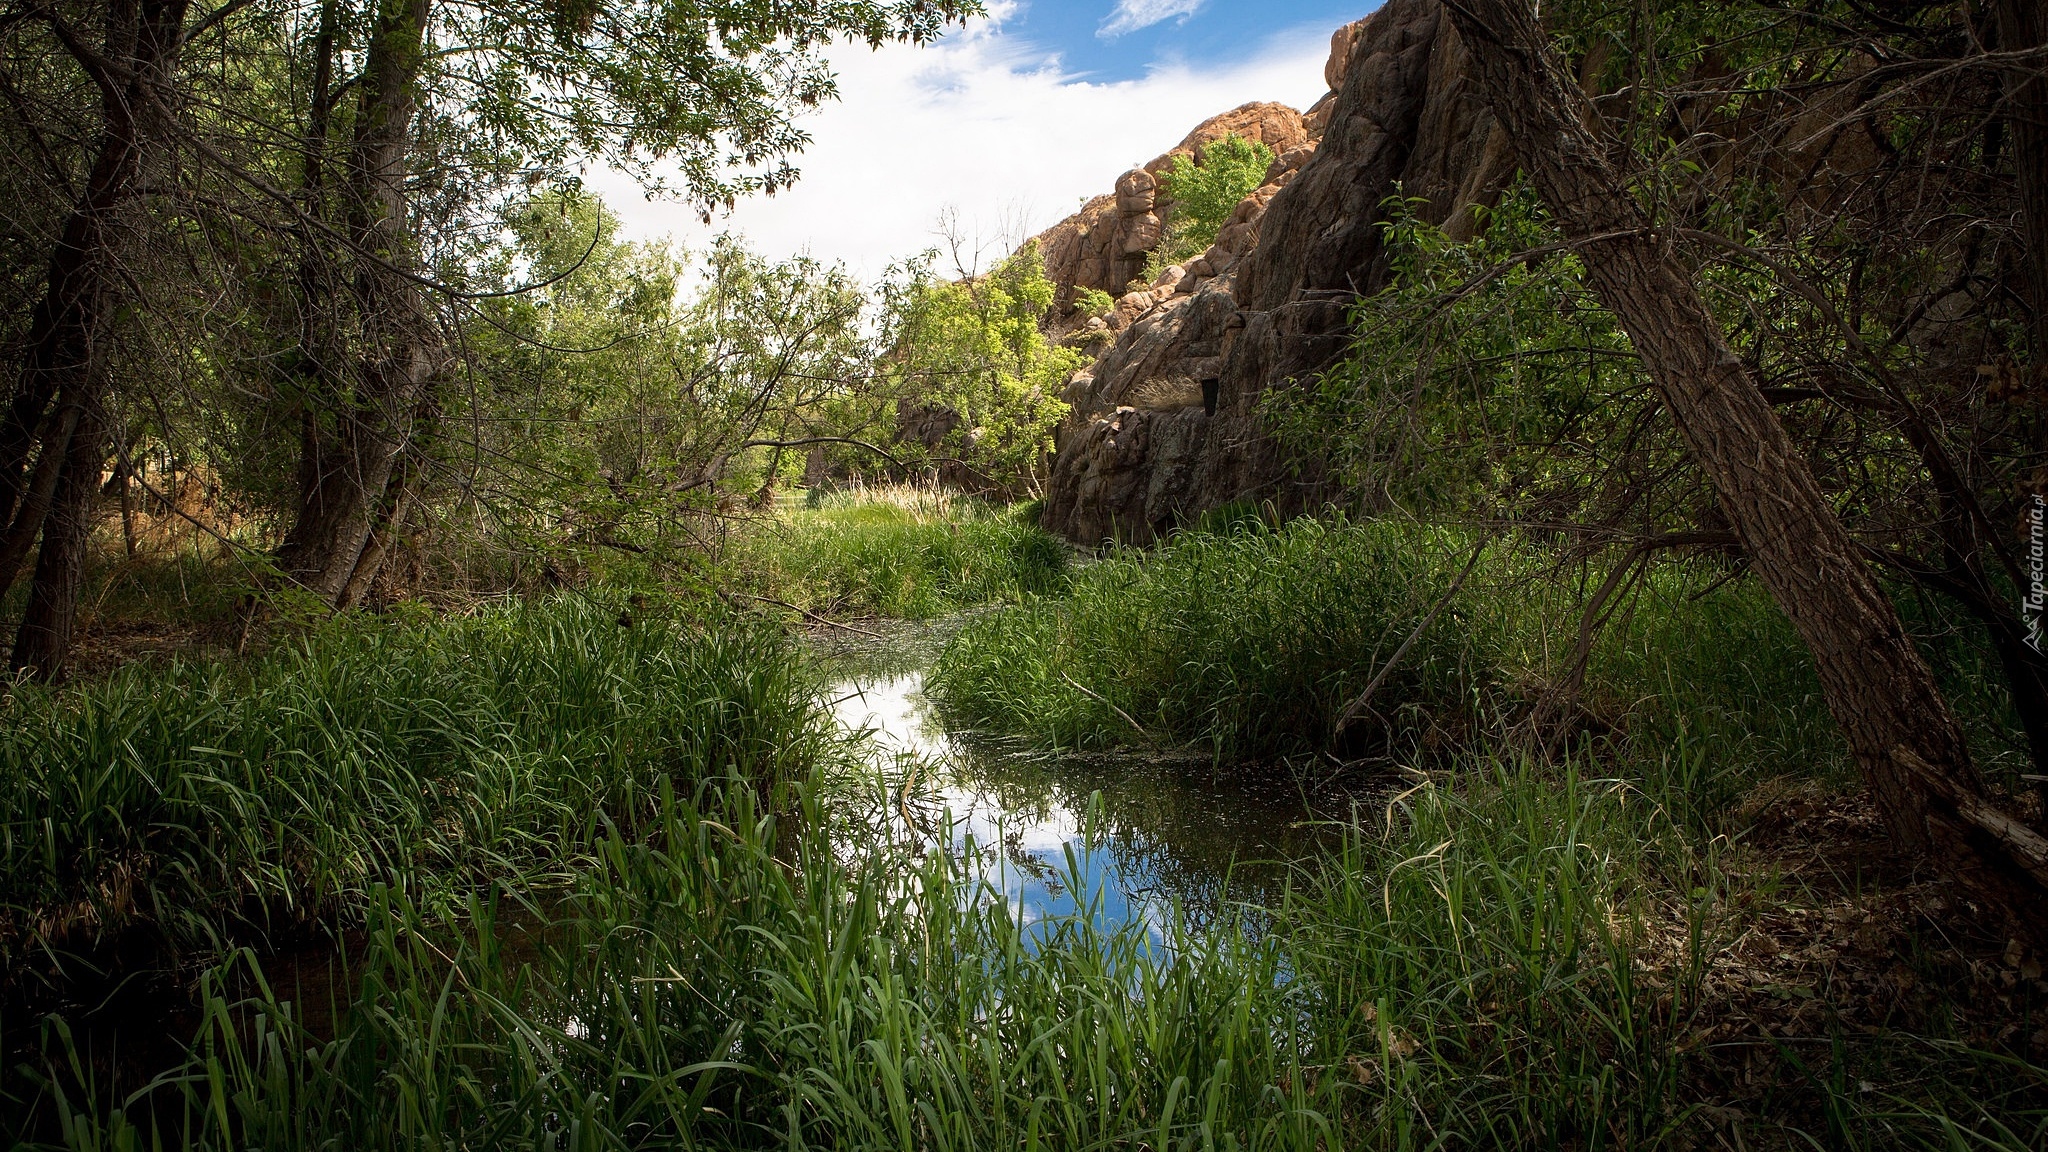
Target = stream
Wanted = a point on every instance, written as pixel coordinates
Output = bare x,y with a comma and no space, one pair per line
1142,833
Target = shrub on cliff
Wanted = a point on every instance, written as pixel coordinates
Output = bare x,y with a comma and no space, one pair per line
1204,194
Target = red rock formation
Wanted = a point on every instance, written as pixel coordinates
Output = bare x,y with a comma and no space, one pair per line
1267,305
1105,244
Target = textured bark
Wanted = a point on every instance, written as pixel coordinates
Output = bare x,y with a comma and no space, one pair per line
397,502
1882,694
64,332
35,503
359,422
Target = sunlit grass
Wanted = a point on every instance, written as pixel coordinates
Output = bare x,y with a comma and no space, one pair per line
904,553
1248,642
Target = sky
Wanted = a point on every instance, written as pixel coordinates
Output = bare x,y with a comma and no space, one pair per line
1010,123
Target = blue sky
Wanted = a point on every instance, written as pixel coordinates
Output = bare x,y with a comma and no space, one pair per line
1008,125
1107,40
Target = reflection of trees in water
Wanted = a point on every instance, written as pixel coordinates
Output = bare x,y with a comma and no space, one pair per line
1172,829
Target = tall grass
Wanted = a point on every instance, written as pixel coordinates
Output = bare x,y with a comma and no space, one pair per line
1499,966
1248,642
1506,954
697,992
866,554
205,800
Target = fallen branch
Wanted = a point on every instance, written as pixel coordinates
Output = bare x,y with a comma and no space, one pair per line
807,614
2022,846
1358,705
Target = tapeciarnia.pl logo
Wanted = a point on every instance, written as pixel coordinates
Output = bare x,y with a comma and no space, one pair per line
2037,571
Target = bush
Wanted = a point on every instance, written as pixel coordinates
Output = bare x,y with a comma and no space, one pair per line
1205,194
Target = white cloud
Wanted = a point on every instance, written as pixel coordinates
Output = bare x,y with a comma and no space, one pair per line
981,126
1131,15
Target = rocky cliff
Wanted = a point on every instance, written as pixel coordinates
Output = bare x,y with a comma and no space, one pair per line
1267,306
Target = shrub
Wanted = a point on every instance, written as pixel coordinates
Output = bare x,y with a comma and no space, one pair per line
1205,194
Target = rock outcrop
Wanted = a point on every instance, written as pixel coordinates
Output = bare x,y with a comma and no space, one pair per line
1104,246
1267,306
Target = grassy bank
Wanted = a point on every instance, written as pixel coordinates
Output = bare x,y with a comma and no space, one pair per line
1690,929
905,553
574,923
200,802
1251,642
1248,642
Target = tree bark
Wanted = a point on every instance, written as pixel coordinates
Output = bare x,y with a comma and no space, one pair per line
43,643
65,357
355,431
1882,694
35,503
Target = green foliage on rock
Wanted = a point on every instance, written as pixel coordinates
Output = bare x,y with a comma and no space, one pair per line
1477,380
1204,194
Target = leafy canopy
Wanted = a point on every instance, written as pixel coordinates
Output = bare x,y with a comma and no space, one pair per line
975,346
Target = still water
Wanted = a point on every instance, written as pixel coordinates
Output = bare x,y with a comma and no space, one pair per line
1138,834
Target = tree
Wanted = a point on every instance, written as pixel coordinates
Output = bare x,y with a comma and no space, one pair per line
971,354
625,408
58,411
366,148
1882,694
1203,193
707,87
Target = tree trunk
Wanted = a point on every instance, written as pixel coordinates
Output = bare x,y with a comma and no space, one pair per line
354,435
35,503
43,643
1882,694
65,356
398,502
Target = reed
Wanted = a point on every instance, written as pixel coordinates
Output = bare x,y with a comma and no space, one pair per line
1248,642
902,554
206,802
1496,964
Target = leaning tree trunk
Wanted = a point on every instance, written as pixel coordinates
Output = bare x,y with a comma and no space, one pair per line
64,362
1882,694
355,434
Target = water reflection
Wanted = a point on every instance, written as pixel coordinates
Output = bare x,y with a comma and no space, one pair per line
1137,834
